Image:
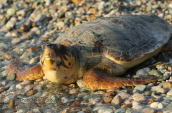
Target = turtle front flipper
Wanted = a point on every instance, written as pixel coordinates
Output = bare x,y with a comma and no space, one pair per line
15,66
103,76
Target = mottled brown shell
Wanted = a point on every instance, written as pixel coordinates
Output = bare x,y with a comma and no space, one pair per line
125,38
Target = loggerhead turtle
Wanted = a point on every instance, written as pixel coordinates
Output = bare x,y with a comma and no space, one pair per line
99,51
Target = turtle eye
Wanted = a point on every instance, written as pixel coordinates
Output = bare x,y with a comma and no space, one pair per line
60,47
43,47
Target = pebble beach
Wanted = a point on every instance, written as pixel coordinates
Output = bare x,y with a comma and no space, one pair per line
26,25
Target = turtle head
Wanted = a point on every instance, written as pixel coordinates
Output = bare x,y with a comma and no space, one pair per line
58,62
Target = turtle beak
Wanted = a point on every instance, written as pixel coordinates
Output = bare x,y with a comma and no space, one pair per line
50,58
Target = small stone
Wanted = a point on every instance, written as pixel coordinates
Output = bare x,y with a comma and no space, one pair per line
107,99
11,104
64,100
31,92
148,110
40,18
138,107
2,89
155,6
16,41
11,11
168,17
160,106
1,6
135,103
37,110
34,49
28,87
105,110
28,35
11,76
143,72
44,38
73,91
149,7
148,93
75,105
28,24
76,1
169,107
54,99
95,100
10,24
23,28
34,60
81,83
169,93
48,2
161,90
34,25
91,18
116,100
19,86
21,12
4,20
72,86
101,5
138,97
93,11
154,105
60,24
140,87
121,110
154,72
7,56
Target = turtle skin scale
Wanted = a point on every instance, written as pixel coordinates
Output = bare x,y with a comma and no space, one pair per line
100,51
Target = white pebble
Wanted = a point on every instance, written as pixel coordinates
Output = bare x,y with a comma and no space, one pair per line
27,88
154,105
123,95
21,12
160,106
116,100
94,100
12,87
80,112
138,107
26,82
105,110
64,100
154,88
10,24
60,24
8,98
80,83
169,93
135,103
36,110
39,18
170,5
48,2
138,97
73,91
143,72
101,5
161,90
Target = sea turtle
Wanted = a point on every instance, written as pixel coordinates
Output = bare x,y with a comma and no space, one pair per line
99,51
